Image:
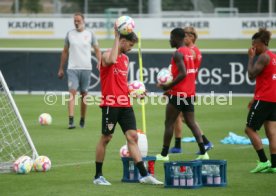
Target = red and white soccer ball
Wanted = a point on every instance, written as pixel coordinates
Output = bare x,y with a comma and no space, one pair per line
45,119
124,151
42,164
136,89
164,76
125,25
23,165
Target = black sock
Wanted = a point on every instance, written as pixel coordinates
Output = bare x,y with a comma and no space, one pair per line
201,148
141,167
177,142
71,120
205,140
99,167
273,160
82,121
261,155
165,151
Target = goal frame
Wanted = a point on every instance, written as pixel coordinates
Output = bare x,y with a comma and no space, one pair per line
7,166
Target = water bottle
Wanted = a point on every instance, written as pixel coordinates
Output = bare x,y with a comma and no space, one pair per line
175,176
209,172
182,179
131,170
217,177
189,177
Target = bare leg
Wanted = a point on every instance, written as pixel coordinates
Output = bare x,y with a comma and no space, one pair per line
270,130
101,147
132,144
83,104
71,104
178,125
254,138
190,121
100,153
171,115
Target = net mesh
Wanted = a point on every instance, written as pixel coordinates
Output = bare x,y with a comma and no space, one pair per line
13,141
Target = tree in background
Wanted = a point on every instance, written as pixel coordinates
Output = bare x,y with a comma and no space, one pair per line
31,6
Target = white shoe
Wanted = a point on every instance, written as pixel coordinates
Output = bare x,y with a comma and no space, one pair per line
150,180
203,157
101,181
159,157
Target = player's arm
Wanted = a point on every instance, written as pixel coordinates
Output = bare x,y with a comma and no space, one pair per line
178,59
63,59
255,69
110,57
98,55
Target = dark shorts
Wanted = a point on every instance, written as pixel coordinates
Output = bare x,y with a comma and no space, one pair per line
123,115
182,104
260,112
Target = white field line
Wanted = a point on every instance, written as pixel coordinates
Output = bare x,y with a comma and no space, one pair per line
73,164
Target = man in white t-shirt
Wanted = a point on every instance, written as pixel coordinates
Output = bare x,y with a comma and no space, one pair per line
78,48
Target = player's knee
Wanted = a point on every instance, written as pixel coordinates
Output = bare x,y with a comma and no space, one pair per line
132,137
106,139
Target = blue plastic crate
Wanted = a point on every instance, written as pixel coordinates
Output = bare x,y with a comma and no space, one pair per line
133,175
183,174
214,173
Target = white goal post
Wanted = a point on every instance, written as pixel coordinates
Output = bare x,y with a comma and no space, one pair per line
15,140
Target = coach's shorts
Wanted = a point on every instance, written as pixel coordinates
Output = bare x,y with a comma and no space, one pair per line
123,115
182,104
79,79
260,112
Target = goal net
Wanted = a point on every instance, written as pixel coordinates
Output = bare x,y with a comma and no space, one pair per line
15,140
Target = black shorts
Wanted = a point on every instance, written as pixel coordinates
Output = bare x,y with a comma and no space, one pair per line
182,104
260,112
123,115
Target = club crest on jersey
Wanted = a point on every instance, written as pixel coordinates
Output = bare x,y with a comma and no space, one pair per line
274,77
273,61
110,126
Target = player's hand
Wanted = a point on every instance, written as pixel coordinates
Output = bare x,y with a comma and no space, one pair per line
99,66
60,74
164,87
250,103
251,52
116,31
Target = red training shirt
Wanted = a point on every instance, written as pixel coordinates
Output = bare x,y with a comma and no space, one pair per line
114,83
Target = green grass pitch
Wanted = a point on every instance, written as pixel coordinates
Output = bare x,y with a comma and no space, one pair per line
72,152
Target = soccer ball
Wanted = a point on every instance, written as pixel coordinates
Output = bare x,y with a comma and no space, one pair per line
124,151
136,89
45,119
164,76
23,165
125,25
42,164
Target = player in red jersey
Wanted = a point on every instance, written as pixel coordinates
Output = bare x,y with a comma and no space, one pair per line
263,109
181,92
116,106
189,40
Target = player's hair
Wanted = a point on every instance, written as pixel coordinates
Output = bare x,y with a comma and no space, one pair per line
178,32
79,14
263,35
191,30
130,37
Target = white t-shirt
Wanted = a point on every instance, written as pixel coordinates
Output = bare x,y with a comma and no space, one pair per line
80,44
